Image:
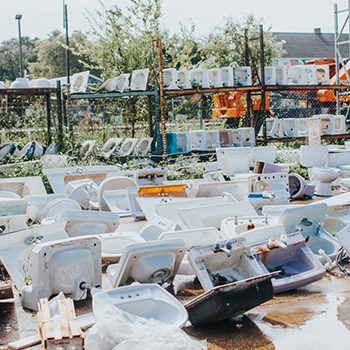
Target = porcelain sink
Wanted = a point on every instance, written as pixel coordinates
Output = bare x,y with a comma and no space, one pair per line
148,300
148,262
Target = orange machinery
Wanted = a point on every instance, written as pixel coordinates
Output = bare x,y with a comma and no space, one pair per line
233,104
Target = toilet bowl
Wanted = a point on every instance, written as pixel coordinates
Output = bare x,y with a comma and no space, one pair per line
20,83
139,79
127,146
269,75
215,78
198,139
87,147
41,83
183,79
311,75
243,76
144,146
315,157
32,150
110,147
281,75
297,186
227,76
297,75
199,78
170,79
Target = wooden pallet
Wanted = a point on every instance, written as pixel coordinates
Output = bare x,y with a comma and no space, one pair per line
71,336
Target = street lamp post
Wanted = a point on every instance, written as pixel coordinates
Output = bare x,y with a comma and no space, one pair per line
18,17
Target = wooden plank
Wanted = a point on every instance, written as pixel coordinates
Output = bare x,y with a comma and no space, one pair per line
63,319
97,177
73,324
46,318
6,292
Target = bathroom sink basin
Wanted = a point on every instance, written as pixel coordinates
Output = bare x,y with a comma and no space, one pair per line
148,300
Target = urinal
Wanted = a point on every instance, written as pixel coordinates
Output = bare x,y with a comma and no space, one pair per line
111,146
183,143
322,73
52,270
288,127
297,75
311,75
87,147
339,125
213,139
170,79
31,150
272,128
183,79
198,139
148,262
228,273
263,153
144,145
227,76
108,201
20,83
327,123
7,149
199,78
127,147
226,138
215,78
149,301
139,79
270,75
243,76
308,220
303,127
281,75
212,216
16,248
113,244
84,222
41,83
151,176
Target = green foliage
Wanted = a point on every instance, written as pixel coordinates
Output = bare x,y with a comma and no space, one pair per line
51,56
224,46
9,57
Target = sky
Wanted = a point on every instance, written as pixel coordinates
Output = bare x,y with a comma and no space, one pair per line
41,17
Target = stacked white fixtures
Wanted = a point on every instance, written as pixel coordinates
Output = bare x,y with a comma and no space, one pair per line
139,79
215,78
269,74
243,76
199,78
170,79
183,79
227,76
297,75
311,74
281,75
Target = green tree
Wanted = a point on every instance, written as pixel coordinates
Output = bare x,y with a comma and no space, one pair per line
51,56
224,46
9,57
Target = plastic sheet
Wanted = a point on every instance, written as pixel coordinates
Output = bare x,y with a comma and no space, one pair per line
119,330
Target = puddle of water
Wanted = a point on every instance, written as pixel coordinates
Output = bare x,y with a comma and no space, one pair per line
321,332
243,334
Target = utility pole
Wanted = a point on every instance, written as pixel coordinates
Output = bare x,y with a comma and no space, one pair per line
65,25
18,17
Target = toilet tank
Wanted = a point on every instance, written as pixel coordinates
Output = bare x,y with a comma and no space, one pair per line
313,155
